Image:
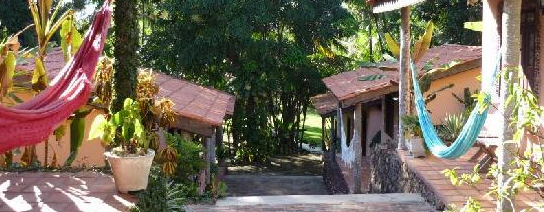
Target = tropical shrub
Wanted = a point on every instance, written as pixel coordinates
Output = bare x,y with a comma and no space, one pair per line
451,126
412,127
123,129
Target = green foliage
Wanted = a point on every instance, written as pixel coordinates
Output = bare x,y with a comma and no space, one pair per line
160,195
222,189
125,125
271,55
451,126
71,38
14,16
189,162
449,23
411,123
77,132
466,178
468,100
526,171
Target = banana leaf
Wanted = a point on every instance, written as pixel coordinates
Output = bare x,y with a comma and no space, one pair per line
77,132
424,43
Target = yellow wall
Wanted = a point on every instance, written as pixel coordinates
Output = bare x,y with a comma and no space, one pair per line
90,154
445,103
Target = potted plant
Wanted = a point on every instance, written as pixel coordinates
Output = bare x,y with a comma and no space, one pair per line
414,135
130,158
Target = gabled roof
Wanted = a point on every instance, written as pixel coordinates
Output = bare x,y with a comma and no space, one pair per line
448,59
346,85
197,103
379,6
325,104
349,90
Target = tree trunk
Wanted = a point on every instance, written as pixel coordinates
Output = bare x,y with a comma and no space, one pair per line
511,18
126,52
404,90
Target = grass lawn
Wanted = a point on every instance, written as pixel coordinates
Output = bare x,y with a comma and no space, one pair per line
312,135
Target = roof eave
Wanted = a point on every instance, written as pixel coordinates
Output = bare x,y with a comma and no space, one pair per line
386,6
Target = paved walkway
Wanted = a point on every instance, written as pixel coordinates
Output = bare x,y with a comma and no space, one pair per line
311,203
265,185
429,171
62,191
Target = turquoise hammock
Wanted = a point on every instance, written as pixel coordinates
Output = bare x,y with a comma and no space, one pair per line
471,129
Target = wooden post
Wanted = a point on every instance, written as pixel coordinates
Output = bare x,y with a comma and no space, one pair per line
210,156
323,146
356,144
384,120
339,123
334,138
511,39
403,71
219,142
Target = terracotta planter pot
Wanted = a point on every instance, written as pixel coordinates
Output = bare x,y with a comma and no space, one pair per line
416,147
130,172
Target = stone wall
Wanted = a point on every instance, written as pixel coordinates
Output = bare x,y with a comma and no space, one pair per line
332,175
389,174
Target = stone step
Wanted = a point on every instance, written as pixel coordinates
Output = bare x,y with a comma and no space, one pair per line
320,199
265,185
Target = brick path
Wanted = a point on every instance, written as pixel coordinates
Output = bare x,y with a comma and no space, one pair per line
326,203
51,191
429,170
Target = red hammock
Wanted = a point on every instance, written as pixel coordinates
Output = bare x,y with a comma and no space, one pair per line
32,122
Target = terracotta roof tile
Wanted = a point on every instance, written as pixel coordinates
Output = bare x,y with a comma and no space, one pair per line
445,54
346,85
191,101
325,103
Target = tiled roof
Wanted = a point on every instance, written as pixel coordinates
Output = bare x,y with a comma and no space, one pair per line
192,101
346,85
445,54
379,6
325,103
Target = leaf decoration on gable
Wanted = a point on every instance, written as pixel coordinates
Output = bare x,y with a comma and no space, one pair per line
374,77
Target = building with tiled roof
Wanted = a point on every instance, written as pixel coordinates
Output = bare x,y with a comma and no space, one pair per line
200,109
373,91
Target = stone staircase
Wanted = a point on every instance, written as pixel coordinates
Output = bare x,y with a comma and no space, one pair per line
268,185
401,202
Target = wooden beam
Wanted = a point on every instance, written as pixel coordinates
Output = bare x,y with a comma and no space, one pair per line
194,126
404,68
369,96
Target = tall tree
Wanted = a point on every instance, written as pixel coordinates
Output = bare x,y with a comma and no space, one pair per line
511,44
125,51
270,54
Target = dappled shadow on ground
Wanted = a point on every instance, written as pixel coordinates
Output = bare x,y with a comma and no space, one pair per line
297,165
49,191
